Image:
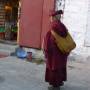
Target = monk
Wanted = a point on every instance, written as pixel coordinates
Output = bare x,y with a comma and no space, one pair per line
56,61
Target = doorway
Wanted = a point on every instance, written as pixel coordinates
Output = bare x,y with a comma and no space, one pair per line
8,20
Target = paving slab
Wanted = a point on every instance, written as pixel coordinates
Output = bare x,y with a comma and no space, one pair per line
19,74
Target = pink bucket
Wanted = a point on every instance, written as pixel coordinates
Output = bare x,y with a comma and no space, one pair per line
29,56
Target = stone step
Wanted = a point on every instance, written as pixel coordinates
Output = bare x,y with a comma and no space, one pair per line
7,48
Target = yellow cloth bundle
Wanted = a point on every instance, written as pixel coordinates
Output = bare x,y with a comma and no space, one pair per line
65,44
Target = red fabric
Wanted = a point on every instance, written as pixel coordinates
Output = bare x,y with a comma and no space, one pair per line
59,28
55,60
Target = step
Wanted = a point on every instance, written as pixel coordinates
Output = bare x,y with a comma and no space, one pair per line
7,48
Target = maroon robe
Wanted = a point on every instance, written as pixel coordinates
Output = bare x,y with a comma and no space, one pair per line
56,61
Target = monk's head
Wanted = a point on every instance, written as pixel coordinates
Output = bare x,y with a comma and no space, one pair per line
55,15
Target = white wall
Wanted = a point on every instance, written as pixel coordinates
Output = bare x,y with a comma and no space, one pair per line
75,18
87,34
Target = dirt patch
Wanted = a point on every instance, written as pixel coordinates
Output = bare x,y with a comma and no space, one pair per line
37,61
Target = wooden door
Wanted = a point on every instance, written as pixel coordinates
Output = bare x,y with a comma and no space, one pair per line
34,22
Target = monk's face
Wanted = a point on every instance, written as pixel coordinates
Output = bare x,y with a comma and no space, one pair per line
52,18
58,17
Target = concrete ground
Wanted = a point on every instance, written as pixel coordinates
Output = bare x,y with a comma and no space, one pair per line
19,74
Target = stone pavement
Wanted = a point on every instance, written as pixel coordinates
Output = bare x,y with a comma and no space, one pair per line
18,74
